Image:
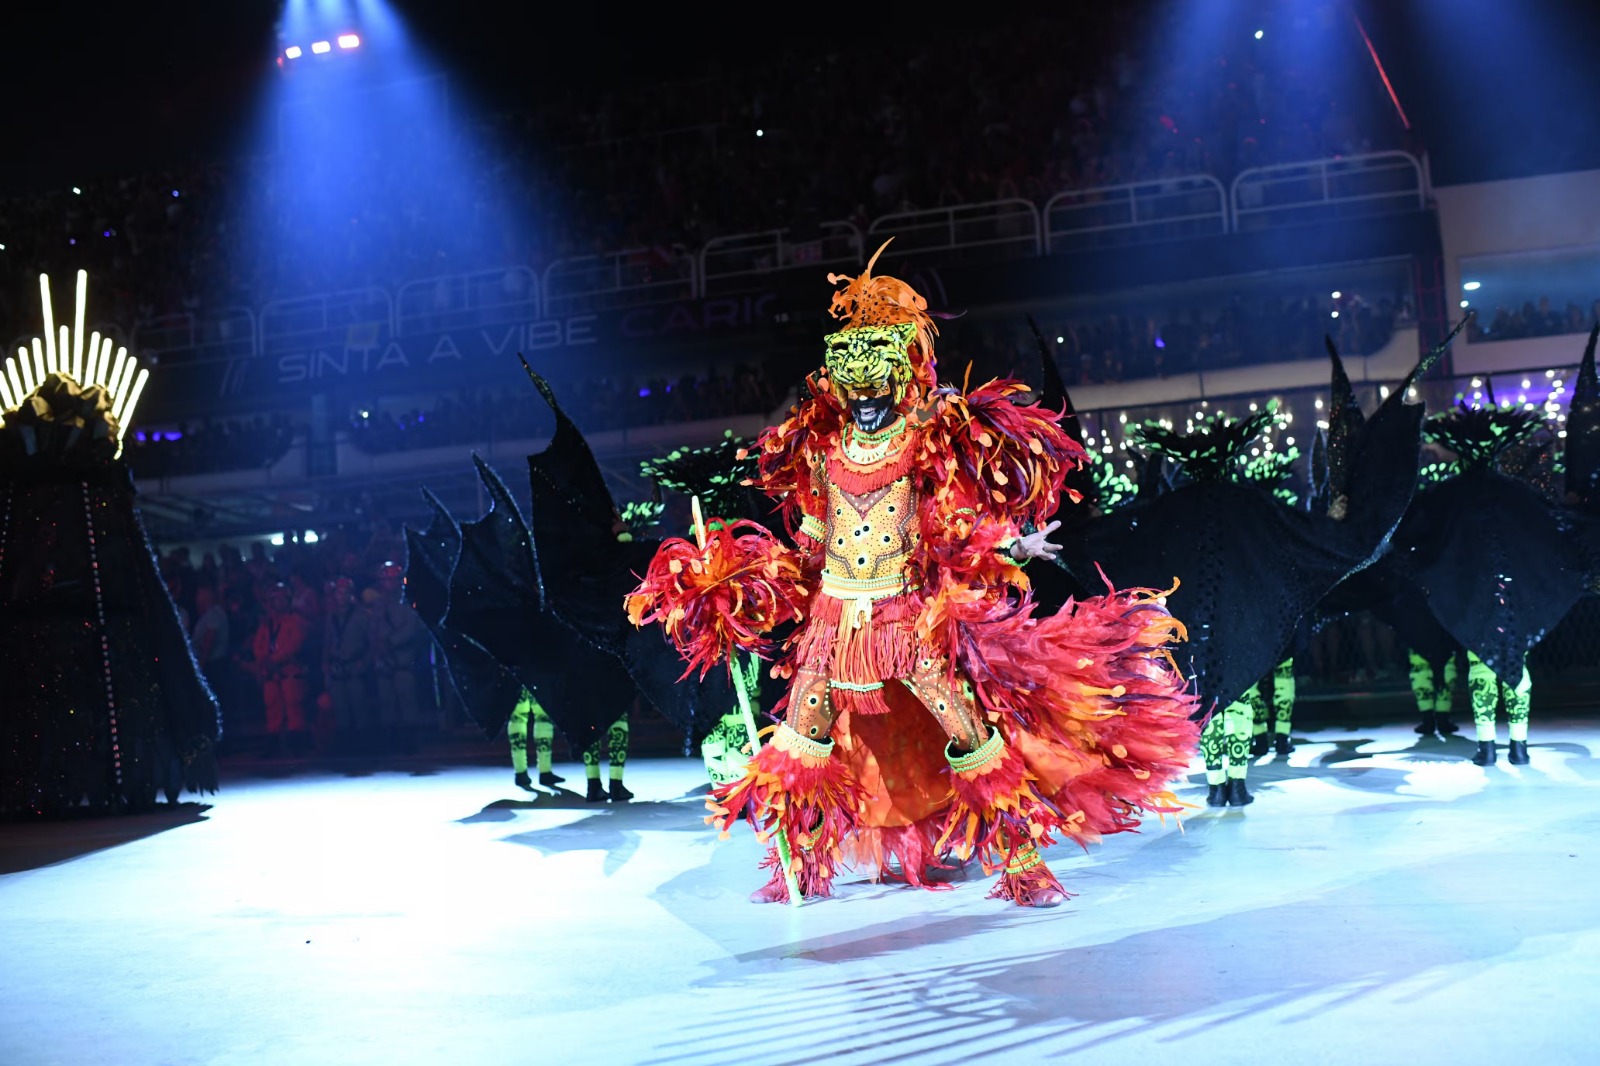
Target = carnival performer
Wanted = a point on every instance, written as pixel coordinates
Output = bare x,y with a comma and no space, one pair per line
1496,559
1274,721
919,649
103,707
543,731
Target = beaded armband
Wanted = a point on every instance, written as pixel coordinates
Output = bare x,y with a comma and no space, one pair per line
812,527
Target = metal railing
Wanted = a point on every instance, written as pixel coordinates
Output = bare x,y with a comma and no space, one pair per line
454,301
1322,189
229,333
743,260
995,229
294,324
633,278
1170,209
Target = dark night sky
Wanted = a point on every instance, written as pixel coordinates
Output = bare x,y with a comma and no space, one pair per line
163,80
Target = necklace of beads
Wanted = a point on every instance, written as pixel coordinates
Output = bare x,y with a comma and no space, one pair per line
863,447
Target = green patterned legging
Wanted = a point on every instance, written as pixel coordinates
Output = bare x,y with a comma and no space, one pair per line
726,749
1434,694
544,732
1282,718
1488,691
616,745
1225,741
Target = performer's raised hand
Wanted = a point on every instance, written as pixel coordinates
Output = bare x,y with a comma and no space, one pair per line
1036,545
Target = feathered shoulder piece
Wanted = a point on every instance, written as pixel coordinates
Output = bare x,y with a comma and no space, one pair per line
1212,450
789,456
1480,435
989,453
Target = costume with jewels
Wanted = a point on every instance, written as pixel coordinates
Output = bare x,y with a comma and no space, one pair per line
103,707
1503,549
529,605
932,712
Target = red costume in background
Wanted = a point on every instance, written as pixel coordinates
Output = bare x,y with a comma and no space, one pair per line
278,646
910,602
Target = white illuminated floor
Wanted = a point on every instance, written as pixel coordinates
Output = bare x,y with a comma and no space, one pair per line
1383,901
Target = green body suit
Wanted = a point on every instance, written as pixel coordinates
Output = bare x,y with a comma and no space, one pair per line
1434,691
544,732
1488,692
1225,745
726,749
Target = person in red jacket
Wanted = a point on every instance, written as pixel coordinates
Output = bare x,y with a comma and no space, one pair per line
280,667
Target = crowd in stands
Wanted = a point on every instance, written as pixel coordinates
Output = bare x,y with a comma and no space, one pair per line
1119,344
279,633
1245,329
1533,320
211,446
596,405
1093,98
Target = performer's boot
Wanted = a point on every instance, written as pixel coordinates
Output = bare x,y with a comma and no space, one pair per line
550,780
523,781
1217,795
597,791
1429,724
793,788
619,794
1517,752
1260,744
999,816
1282,744
1028,882
1486,753
1238,795
1446,727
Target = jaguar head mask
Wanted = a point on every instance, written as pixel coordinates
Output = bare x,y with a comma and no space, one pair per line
881,363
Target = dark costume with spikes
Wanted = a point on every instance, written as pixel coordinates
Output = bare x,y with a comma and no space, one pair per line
1250,569
1498,561
104,707
534,604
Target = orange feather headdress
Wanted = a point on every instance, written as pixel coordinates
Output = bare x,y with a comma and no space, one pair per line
881,300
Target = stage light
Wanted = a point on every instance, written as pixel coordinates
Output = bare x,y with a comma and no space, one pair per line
1061,340
761,133
311,537
276,540
1337,294
1463,303
1260,34
1334,314
293,51
1472,286
321,47
349,40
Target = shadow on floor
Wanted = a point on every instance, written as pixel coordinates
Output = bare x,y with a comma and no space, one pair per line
1305,955
31,845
